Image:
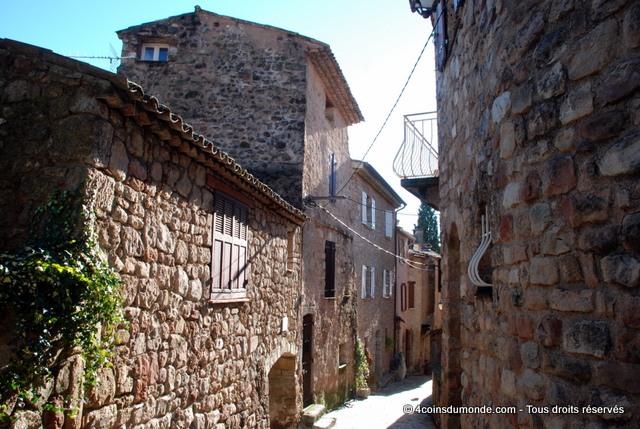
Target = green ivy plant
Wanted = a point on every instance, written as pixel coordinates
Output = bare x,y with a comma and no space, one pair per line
61,294
362,366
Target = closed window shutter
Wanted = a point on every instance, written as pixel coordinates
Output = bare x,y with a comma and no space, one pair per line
229,259
388,223
364,208
412,287
373,282
330,270
364,281
333,184
373,213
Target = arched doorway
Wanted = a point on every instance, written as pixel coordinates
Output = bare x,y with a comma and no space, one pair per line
282,392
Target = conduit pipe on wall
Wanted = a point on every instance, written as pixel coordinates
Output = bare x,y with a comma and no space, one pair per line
472,270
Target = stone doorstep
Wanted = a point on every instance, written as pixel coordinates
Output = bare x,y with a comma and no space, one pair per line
388,378
325,423
312,413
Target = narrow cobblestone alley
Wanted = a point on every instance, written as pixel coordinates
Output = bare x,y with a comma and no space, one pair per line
385,407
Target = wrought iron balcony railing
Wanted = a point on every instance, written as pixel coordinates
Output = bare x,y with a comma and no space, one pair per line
418,154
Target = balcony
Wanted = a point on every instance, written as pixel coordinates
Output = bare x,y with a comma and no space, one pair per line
416,162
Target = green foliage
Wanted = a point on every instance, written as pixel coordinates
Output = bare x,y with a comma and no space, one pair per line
428,222
362,366
61,294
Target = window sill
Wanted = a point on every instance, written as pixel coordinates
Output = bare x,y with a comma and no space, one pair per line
225,296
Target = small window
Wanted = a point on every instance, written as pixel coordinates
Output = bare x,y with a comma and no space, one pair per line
155,52
368,282
330,269
229,254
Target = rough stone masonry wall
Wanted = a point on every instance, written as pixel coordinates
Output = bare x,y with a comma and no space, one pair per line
182,362
539,122
241,84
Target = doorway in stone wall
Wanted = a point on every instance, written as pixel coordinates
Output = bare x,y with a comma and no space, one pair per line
282,392
307,359
378,354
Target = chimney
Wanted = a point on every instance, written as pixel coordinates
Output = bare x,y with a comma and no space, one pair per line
419,235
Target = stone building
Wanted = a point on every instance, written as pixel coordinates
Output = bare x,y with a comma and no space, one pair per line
374,258
209,344
539,130
418,295
277,101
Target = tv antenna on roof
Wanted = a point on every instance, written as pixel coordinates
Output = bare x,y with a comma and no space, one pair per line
114,59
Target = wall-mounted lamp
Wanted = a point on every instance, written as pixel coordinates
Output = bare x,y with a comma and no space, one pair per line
416,6
440,304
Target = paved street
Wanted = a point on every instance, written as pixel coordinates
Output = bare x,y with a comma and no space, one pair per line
384,408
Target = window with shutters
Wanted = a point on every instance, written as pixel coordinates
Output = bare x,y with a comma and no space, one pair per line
368,282
229,254
403,297
330,269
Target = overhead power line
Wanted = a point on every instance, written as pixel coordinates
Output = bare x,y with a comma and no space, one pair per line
397,99
413,264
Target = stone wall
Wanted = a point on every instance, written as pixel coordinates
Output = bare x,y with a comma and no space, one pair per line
538,123
182,362
375,314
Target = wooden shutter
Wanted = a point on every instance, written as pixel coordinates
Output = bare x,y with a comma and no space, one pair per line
373,213
388,223
330,270
412,291
364,207
373,281
364,281
229,251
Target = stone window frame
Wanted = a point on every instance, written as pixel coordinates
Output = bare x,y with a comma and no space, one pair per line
229,252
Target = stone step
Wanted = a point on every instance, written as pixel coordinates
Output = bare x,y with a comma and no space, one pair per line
312,414
325,423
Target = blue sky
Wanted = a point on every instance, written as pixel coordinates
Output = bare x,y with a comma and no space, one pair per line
376,43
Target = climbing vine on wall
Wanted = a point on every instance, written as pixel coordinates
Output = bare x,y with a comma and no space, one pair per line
362,366
60,295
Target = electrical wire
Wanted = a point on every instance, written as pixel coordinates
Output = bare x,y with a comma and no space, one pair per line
410,263
397,99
